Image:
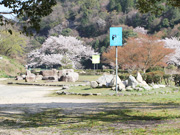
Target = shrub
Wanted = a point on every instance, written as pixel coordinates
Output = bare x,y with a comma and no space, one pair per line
154,77
166,78
176,79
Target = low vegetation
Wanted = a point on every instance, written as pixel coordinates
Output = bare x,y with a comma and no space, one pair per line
10,67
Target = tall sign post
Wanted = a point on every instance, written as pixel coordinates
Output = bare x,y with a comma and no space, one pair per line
116,40
95,60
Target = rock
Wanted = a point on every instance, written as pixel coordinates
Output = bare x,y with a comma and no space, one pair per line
94,84
99,94
138,89
129,88
23,76
113,88
162,86
139,78
70,77
125,83
28,72
121,86
30,78
155,86
64,72
132,81
87,94
39,77
65,87
105,80
147,87
18,78
53,78
143,83
49,74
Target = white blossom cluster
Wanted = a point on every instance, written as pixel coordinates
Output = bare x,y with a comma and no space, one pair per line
55,48
140,30
173,43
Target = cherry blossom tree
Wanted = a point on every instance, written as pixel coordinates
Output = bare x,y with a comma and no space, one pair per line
173,43
140,30
54,49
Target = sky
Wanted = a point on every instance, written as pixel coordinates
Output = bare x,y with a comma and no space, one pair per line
2,8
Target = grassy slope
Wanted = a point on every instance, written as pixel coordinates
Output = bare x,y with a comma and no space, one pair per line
10,67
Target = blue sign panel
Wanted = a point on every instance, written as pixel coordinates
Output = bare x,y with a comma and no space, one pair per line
116,36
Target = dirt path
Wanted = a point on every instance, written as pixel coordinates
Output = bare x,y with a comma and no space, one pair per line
36,97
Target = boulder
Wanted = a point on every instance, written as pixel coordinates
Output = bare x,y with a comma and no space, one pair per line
23,76
28,72
139,78
18,78
147,87
64,72
132,81
125,83
39,77
121,86
105,80
155,86
70,77
49,73
93,84
30,78
129,88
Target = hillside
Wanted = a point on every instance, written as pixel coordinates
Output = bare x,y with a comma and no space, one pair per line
90,21
10,67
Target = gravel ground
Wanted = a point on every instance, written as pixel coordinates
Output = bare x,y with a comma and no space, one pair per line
18,100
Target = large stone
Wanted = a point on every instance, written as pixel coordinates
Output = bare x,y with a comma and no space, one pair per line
18,78
23,76
49,73
121,86
30,78
39,77
94,84
70,77
105,80
64,72
132,81
139,78
125,83
28,72
147,87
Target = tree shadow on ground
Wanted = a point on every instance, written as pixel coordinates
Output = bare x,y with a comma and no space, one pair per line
56,114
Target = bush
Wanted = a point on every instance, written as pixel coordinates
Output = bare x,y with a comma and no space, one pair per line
166,78
176,79
157,68
154,77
